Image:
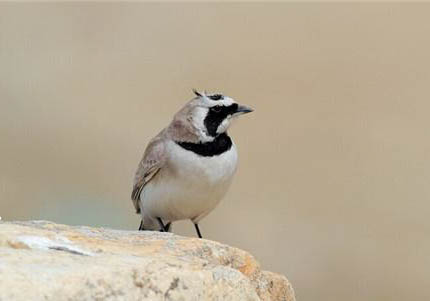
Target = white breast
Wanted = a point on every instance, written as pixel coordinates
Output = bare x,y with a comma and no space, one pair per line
189,186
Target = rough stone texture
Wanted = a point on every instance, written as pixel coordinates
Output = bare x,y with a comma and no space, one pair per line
40,260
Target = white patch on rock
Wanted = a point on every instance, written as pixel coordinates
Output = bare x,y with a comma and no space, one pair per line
43,243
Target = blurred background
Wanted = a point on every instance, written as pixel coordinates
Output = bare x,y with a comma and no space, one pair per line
333,186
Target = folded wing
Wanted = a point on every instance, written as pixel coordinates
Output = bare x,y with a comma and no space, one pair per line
151,163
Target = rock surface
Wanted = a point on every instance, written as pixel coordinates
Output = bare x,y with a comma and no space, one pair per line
40,260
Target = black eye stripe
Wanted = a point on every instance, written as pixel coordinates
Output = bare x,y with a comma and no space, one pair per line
216,108
214,118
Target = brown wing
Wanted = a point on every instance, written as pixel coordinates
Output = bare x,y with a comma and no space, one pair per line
153,159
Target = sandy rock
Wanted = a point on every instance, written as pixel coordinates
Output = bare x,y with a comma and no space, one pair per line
45,261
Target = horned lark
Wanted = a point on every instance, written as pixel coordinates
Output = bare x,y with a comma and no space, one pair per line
187,168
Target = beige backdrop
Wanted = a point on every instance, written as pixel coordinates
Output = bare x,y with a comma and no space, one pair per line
333,186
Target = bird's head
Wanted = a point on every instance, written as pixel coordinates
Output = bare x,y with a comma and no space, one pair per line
212,114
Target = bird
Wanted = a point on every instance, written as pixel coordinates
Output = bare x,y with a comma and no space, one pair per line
188,167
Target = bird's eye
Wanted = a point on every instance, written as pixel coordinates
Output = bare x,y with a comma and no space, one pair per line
216,109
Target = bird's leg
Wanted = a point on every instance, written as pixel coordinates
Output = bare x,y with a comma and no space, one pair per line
141,225
163,228
198,230
167,228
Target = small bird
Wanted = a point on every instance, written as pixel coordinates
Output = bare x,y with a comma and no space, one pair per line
188,167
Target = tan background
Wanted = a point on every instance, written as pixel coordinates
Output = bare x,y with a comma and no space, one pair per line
333,187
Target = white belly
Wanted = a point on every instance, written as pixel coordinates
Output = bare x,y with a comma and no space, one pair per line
189,186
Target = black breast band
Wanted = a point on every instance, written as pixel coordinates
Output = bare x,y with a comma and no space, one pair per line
219,145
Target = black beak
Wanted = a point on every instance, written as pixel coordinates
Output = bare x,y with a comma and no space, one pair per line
243,110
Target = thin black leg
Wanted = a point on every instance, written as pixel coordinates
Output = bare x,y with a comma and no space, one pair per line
160,222
167,228
141,226
163,228
198,230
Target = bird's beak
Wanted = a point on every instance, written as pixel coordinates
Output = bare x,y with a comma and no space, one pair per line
243,110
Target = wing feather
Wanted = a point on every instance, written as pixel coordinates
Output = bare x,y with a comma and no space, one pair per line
151,163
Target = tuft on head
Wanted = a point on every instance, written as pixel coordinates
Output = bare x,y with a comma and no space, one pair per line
198,94
215,96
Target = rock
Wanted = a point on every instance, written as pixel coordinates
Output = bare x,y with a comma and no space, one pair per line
40,260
